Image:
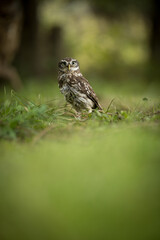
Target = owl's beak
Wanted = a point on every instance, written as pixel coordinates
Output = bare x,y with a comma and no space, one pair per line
69,66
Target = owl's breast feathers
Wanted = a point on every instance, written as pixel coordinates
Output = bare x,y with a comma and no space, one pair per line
77,82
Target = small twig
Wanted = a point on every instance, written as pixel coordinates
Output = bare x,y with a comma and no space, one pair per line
110,104
152,114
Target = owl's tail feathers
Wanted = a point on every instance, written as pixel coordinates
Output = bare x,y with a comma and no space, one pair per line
99,107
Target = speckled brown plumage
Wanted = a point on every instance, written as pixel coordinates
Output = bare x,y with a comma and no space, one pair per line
75,87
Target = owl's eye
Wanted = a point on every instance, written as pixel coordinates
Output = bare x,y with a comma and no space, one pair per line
73,62
63,64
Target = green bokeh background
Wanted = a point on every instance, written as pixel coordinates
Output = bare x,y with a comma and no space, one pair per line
85,180
98,185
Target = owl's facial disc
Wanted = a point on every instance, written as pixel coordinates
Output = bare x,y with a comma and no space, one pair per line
68,66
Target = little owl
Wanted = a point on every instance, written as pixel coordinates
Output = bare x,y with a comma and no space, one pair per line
75,87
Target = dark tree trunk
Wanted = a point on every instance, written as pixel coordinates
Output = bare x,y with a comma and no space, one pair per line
155,32
27,55
10,31
153,69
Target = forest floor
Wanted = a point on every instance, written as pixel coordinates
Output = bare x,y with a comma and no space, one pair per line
98,178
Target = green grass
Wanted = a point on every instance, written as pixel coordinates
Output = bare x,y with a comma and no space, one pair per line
61,178
23,118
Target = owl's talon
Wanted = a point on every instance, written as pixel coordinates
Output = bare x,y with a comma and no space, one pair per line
78,117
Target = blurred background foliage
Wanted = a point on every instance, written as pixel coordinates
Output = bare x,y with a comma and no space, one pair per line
80,180
113,40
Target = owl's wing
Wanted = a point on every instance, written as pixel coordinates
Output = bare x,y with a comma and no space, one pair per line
84,87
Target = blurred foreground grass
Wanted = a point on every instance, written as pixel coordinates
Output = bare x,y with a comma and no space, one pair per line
95,179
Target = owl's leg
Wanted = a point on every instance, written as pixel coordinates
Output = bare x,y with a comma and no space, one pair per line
78,116
89,110
83,115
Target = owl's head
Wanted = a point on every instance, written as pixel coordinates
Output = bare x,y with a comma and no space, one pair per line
68,65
